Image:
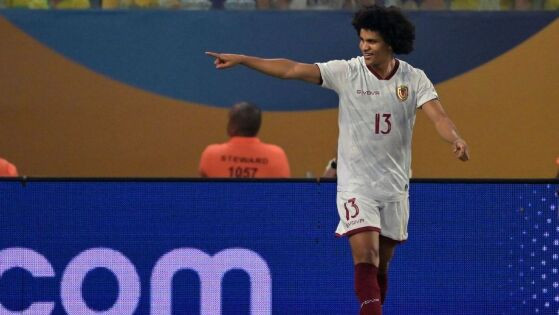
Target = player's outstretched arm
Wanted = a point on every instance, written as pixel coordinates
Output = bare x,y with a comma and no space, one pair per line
279,68
446,128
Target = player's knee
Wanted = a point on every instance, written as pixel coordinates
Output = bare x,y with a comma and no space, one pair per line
367,255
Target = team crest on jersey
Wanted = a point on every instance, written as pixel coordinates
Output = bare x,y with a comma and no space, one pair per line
402,92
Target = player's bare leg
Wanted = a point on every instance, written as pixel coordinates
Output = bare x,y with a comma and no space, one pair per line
366,258
386,251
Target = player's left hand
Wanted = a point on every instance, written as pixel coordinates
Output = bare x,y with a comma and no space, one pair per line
460,149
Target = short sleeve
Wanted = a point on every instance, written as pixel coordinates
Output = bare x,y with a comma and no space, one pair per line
425,90
334,74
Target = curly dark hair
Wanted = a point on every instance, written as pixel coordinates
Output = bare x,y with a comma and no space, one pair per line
396,30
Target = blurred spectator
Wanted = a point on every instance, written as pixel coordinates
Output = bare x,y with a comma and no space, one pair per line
244,155
489,5
522,5
432,5
551,4
7,168
137,4
27,4
245,4
475,5
356,4
259,4
71,4
468,5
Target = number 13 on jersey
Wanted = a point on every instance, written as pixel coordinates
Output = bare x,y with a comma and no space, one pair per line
383,124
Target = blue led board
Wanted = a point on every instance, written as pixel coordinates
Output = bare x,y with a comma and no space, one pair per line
192,247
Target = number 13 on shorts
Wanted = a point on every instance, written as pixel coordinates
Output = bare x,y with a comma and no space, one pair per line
353,205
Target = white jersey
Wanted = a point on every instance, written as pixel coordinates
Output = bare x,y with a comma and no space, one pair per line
376,118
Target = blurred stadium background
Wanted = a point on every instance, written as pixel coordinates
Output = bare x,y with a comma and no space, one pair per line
131,93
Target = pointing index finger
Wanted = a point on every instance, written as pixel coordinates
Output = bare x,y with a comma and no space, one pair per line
213,54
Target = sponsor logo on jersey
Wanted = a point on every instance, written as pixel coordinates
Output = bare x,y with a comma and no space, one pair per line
368,93
402,92
354,222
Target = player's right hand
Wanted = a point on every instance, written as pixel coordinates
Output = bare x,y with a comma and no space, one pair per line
224,61
460,149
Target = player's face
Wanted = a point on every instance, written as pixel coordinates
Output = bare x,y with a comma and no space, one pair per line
373,47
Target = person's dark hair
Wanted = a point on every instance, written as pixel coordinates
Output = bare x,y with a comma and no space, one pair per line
244,120
396,30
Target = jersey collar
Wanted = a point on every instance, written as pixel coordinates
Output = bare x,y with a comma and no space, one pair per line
238,139
390,75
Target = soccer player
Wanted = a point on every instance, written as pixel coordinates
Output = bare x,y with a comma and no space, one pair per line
379,95
244,155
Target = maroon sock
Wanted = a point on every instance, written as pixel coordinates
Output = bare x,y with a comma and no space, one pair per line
383,284
367,289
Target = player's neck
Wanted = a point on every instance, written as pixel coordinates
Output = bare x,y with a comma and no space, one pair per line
385,69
